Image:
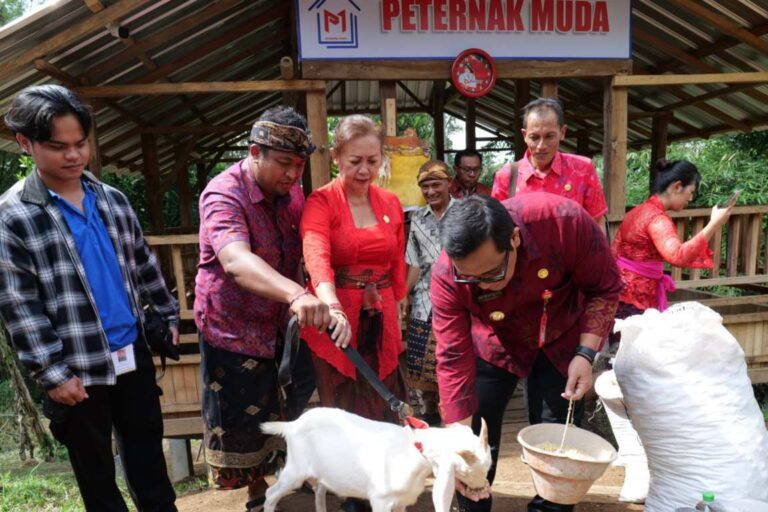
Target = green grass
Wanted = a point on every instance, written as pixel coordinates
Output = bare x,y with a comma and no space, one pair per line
51,487
39,491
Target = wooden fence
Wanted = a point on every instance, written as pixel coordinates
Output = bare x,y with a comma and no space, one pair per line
740,262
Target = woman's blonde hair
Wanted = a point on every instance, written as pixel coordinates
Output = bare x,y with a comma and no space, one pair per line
353,127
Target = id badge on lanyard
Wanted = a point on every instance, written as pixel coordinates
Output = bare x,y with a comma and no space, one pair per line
124,360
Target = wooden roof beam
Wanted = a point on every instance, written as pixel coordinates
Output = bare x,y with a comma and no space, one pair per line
719,93
196,129
62,76
233,34
410,93
107,91
71,34
170,33
756,77
682,56
152,103
155,102
96,6
621,81
724,24
717,48
237,115
441,69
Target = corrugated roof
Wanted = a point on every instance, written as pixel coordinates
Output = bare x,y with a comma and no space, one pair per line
223,40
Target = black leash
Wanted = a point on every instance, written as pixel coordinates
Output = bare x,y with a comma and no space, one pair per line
290,350
402,409
288,359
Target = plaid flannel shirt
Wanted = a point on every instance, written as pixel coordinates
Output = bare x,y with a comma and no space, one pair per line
46,303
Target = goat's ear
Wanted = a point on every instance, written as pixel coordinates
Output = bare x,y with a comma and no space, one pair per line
469,457
444,486
483,434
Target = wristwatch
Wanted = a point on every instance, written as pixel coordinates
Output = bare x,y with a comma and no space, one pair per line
586,353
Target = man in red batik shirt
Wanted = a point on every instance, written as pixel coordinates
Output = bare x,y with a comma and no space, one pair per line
523,289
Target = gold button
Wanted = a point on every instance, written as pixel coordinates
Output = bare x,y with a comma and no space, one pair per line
567,187
386,219
543,273
497,316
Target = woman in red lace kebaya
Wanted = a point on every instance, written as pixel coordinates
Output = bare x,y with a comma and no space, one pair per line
648,238
354,249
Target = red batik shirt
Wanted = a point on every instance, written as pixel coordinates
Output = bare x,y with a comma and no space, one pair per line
234,209
564,251
649,234
333,242
459,192
570,176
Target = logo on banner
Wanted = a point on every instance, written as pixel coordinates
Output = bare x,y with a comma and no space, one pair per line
336,23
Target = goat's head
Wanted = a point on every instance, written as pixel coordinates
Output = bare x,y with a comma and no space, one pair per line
471,455
456,453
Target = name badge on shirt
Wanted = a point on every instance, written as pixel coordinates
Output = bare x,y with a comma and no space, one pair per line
124,360
485,297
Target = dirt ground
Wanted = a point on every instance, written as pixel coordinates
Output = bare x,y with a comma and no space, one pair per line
512,489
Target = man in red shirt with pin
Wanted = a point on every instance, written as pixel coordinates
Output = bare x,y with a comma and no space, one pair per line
523,289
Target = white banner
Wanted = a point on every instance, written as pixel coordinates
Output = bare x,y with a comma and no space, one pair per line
441,29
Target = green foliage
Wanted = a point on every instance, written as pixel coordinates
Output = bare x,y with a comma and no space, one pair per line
726,163
10,170
11,9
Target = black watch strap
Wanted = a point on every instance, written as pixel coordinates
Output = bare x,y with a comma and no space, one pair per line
587,352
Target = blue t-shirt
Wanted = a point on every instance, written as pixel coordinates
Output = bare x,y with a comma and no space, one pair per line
102,269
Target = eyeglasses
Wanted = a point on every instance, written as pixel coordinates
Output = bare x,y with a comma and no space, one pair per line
498,274
471,170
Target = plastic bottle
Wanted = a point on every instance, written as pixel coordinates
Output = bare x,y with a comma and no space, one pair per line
707,503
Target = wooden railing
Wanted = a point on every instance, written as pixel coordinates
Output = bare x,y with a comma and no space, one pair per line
740,249
740,258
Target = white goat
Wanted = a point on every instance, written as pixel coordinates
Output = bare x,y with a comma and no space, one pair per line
386,464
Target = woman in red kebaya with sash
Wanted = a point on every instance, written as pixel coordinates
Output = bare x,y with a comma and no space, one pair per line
354,250
648,238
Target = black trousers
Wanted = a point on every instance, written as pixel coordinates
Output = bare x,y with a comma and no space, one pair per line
495,387
132,408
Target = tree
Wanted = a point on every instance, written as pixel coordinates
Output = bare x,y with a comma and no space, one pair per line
10,10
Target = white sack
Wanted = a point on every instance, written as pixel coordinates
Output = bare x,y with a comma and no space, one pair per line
631,453
685,384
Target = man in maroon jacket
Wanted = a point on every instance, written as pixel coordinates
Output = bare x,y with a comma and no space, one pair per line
523,289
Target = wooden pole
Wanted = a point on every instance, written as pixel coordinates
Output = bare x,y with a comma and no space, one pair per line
201,176
582,142
388,99
439,119
182,180
615,146
317,118
151,171
469,126
94,161
522,97
659,134
549,89
288,72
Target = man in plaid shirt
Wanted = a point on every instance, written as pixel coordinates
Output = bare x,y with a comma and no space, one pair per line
74,271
